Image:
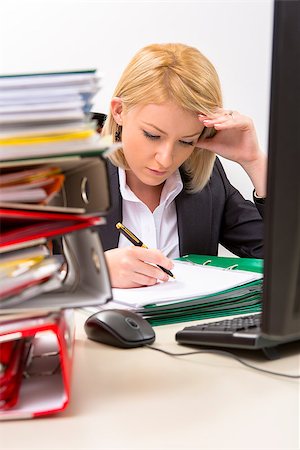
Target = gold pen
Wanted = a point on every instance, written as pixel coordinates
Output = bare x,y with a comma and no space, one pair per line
138,243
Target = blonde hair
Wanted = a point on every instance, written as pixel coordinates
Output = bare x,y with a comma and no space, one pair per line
162,72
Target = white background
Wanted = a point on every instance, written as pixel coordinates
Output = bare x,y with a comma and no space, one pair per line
235,35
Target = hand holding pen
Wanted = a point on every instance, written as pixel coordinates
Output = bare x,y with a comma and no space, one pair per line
136,266
138,243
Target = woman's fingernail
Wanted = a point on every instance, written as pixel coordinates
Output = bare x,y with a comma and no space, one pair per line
164,278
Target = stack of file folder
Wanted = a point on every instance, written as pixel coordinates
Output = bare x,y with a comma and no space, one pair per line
204,287
46,114
54,193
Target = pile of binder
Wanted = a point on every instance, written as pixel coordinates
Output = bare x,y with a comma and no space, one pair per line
245,298
204,287
54,193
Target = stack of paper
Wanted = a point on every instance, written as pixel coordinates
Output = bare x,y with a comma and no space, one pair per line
54,191
47,113
51,156
26,273
204,287
53,178
32,185
191,281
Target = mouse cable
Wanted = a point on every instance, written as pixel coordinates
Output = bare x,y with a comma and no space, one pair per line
227,354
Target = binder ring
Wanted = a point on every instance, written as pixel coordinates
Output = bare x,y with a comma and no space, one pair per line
206,262
96,260
234,266
84,190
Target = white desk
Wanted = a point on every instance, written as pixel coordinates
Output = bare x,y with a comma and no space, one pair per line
142,399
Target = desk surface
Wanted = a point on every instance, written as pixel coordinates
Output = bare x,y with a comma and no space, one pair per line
142,399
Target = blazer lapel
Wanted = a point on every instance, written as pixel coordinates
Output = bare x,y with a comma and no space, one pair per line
108,233
194,219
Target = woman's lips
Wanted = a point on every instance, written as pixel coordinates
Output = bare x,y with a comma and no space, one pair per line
158,172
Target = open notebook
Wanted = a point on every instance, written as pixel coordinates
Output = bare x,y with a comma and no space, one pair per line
191,281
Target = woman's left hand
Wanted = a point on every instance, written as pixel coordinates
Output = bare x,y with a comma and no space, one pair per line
236,140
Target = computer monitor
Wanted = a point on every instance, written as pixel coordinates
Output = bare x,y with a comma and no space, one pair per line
281,296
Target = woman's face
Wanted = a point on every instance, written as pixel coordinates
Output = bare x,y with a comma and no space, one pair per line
156,140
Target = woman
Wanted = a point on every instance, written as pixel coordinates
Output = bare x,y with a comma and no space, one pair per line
167,185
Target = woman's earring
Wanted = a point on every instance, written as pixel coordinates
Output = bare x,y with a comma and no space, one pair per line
118,133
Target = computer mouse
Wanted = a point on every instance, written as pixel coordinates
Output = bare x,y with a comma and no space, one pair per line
120,328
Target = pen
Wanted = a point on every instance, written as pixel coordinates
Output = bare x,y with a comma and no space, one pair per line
138,243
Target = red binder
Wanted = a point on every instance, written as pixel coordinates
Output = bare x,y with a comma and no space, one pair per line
41,384
24,226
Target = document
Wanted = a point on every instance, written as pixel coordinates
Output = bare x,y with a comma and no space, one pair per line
33,186
191,281
38,101
73,78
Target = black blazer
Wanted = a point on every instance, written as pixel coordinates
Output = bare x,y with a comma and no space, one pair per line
217,214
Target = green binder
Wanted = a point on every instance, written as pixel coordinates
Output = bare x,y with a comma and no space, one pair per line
245,299
249,264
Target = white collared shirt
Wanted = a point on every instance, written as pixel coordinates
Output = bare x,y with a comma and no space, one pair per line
158,229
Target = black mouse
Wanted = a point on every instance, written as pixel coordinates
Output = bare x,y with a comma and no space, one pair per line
120,328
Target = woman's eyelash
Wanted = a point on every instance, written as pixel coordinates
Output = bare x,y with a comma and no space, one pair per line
150,136
156,137
187,143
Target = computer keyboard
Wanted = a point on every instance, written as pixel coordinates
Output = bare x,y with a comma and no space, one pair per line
241,332
231,325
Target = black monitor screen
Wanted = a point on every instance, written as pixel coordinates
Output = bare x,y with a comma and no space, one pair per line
281,300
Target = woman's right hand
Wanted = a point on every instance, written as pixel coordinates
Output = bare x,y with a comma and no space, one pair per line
133,266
